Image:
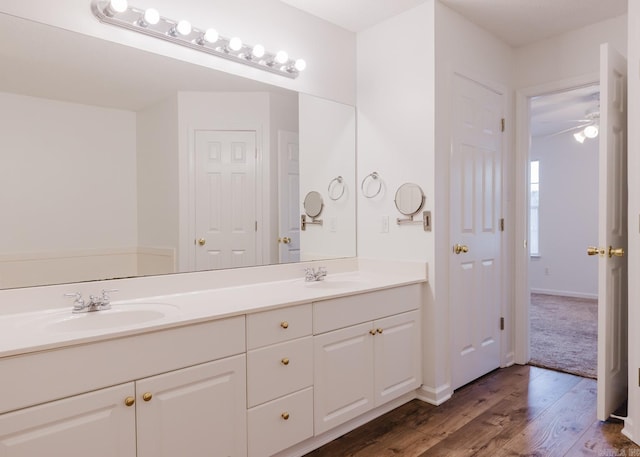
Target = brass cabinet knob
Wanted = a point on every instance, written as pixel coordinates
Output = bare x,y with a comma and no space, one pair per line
618,252
379,330
460,248
129,401
284,324
285,361
285,416
147,396
372,332
202,241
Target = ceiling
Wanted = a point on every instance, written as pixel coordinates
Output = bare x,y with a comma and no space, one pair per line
517,22
555,113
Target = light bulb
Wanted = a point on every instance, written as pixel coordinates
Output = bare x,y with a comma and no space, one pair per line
210,36
235,43
591,131
183,28
282,57
258,51
579,137
151,16
116,6
300,65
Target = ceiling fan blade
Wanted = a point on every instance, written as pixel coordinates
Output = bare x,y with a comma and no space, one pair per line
571,129
563,120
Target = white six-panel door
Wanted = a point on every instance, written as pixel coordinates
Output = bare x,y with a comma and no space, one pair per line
475,211
288,197
612,234
225,188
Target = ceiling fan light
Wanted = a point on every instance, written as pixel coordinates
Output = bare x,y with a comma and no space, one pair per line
579,137
591,131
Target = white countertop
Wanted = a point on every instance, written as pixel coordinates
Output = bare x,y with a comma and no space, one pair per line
22,333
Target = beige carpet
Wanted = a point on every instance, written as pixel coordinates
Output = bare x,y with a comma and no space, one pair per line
564,332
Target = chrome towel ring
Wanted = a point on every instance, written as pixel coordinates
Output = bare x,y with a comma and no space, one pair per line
374,178
336,188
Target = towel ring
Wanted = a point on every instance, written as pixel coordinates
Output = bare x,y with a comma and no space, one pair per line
334,184
375,177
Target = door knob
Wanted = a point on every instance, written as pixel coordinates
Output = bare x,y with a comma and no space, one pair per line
460,248
593,250
202,241
618,252
285,240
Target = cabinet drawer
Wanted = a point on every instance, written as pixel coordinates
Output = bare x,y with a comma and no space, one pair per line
279,369
346,311
278,325
270,432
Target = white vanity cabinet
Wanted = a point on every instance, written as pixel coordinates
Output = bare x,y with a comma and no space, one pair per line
362,358
96,424
279,379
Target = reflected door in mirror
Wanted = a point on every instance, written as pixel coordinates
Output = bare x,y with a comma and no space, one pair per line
225,199
288,191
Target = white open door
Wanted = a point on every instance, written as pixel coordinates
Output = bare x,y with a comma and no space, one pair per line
288,197
612,233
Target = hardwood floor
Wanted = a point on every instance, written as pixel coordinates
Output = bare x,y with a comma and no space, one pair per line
516,411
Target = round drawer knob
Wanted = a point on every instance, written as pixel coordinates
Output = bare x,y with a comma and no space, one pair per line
285,416
284,324
147,396
379,330
372,332
129,401
285,361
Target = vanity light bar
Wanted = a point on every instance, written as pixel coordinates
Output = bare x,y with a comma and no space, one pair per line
149,22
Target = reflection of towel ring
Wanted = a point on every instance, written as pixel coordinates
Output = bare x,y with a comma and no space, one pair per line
339,183
376,177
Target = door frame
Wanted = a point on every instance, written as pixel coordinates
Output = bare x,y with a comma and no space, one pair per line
521,248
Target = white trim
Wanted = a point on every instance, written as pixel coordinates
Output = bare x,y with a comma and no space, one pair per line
564,293
521,280
435,396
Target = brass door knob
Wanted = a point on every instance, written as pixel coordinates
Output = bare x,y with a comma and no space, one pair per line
460,248
379,330
284,240
285,361
284,324
202,241
593,250
618,252
285,416
147,396
372,332
129,401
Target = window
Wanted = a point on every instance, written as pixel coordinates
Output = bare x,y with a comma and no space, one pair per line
534,201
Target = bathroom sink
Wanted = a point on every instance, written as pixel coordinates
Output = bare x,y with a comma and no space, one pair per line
124,315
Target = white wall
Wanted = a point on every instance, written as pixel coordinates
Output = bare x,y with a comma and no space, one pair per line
632,423
328,49
67,183
327,142
568,216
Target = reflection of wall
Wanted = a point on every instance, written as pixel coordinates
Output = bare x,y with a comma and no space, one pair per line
65,182
326,141
568,216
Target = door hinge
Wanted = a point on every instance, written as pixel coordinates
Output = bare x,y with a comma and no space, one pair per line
502,123
502,323
256,226
502,224
638,377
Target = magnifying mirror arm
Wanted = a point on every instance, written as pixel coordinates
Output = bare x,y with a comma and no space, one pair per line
426,221
304,222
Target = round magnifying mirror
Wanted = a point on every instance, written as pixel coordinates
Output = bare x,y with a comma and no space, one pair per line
409,199
313,204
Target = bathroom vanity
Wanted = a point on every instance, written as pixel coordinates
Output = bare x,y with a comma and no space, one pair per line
262,368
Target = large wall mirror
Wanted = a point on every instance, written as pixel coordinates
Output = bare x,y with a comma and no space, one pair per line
118,163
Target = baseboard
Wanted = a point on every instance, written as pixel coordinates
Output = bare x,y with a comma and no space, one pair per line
564,293
435,396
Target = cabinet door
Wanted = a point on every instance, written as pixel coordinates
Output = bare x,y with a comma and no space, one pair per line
97,424
195,411
343,379
397,356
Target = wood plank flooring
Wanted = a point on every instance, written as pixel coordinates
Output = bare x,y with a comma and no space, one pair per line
516,411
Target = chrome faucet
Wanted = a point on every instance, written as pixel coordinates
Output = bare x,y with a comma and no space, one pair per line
311,274
96,303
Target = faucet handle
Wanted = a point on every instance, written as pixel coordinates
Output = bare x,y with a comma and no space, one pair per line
106,297
78,303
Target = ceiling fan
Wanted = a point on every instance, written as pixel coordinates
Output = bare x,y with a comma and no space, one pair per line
586,127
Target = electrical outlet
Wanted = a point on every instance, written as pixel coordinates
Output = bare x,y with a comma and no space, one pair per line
333,224
547,271
384,224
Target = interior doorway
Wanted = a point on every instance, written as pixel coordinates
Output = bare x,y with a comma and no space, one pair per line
563,220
